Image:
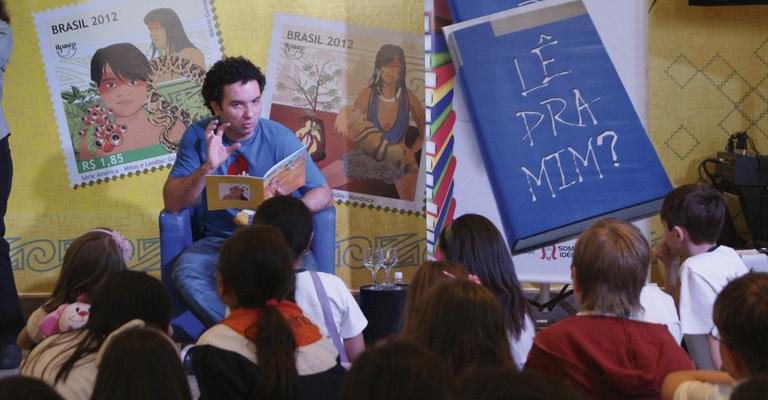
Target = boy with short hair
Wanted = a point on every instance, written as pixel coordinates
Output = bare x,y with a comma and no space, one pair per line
693,217
604,350
741,317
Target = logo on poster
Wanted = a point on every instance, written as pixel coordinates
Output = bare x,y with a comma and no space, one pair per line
66,50
293,51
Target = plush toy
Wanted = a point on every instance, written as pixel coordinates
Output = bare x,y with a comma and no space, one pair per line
67,317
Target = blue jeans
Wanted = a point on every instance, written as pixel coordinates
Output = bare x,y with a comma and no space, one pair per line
11,320
194,274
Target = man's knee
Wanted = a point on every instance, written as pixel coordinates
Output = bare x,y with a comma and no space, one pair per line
194,264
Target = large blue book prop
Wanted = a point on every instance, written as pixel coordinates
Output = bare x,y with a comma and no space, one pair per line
462,10
561,141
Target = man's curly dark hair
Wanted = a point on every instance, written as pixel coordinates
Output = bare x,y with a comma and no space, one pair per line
227,71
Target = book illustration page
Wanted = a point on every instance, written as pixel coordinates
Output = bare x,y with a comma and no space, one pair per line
124,80
234,191
354,96
288,175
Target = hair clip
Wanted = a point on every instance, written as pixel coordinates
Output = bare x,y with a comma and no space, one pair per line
271,303
471,277
126,249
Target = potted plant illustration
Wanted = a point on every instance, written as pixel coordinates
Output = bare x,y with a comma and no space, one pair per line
313,90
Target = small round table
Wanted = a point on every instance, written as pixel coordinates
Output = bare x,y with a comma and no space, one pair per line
384,311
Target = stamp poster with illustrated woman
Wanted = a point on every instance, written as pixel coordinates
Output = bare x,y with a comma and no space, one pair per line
355,97
124,80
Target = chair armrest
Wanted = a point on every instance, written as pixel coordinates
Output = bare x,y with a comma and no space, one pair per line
175,234
323,244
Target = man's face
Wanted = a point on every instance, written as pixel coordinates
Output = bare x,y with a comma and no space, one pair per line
241,107
124,97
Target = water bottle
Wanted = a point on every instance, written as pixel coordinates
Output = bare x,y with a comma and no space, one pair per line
398,278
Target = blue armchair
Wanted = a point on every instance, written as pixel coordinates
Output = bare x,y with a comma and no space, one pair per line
179,230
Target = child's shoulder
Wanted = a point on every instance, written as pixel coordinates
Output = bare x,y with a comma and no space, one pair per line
704,390
722,257
715,268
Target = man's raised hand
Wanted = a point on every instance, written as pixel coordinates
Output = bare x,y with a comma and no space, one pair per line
216,151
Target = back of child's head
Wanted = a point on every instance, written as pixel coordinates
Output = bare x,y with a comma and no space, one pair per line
292,217
755,388
698,208
140,363
256,272
610,263
474,241
26,388
88,262
508,383
429,274
463,324
399,370
126,296
255,266
741,316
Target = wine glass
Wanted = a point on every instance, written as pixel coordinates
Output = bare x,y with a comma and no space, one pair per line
389,259
371,263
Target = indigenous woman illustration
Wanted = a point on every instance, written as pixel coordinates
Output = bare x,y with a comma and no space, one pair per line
169,42
132,115
387,124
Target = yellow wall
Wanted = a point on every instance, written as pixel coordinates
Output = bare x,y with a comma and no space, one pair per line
45,213
708,78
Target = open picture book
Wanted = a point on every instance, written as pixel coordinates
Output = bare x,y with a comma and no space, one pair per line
247,192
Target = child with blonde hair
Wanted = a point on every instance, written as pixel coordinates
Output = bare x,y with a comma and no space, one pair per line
604,351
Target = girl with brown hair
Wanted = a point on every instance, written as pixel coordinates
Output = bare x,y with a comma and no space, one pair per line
463,324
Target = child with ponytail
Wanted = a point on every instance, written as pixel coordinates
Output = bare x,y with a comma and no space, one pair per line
266,348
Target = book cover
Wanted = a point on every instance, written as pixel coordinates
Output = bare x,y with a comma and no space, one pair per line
462,10
433,95
444,193
436,142
432,60
434,42
442,10
437,109
560,138
436,224
434,181
247,192
438,76
434,22
440,219
433,126
436,163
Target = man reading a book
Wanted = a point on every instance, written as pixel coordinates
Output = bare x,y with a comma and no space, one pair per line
234,142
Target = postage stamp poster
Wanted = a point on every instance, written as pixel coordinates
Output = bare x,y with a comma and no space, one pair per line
124,80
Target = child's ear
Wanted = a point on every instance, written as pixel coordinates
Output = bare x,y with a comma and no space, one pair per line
223,293
576,287
680,233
